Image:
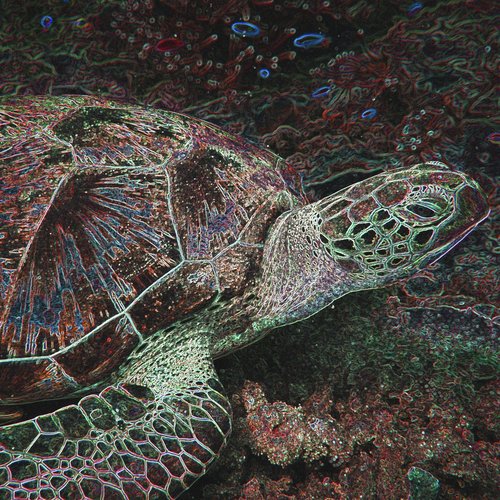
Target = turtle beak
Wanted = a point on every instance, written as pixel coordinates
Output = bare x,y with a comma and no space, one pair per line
471,203
470,208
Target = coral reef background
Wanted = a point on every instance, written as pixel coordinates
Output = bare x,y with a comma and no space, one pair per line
393,392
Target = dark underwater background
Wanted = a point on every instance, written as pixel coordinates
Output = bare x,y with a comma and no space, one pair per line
393,393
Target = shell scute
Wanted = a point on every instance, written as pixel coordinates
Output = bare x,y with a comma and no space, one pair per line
102,134
78,241
217,187
104,236
188,289
102,352
43,376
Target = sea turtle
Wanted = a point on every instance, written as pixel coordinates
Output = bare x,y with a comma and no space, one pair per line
137,245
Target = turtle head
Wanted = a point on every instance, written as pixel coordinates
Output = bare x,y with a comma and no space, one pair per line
393,224
368,235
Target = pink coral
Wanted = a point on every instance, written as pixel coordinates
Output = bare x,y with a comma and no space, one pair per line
284,433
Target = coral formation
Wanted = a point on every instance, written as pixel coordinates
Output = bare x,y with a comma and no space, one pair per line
370,400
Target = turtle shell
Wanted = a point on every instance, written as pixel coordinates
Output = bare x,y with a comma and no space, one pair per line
111,219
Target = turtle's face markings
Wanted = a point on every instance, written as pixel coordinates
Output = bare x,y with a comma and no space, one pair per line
393,224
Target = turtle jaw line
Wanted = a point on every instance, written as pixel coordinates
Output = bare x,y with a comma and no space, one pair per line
435,255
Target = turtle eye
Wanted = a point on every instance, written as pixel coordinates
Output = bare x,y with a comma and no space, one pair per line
424,209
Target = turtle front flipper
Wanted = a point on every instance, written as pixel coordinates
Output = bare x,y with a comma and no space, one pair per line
151,436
